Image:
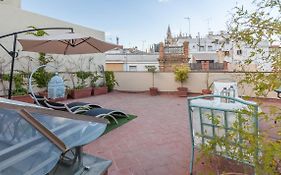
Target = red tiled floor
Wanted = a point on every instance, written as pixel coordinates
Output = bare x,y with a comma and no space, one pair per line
157,142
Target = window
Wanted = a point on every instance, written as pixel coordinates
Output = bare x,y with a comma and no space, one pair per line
210,48
133,68
239,52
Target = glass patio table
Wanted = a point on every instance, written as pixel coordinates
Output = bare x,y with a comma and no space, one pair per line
24,149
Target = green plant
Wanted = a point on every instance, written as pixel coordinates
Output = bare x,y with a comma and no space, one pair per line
181,73
42,77
19,83
151,69
208,86
94,78
82,77
250,28
242,143
110,80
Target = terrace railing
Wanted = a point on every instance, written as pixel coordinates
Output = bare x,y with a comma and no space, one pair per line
212,66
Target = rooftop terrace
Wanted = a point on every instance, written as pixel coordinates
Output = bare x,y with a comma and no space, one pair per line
156,142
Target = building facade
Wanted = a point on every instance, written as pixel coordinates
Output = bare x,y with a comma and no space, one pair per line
130,60
218,49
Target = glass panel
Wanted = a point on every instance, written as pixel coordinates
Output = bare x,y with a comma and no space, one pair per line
23,149
73,132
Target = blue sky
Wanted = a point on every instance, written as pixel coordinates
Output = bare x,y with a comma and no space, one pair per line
138,22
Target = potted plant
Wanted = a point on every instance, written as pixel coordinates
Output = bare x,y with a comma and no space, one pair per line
110,80
93,82
19,92
98,88
152,90
81,90
41,78
208,87
181,75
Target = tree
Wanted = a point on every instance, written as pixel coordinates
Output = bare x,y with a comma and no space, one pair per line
251,27
151,69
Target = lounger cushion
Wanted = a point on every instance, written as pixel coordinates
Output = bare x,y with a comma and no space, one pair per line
73,104
99,111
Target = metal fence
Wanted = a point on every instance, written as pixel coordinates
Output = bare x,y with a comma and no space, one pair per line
216,66
212,66
195,66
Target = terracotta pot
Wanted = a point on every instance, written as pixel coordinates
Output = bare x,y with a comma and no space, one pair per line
182,91
99,90
234,174
206,91
80,93
153,91
23,98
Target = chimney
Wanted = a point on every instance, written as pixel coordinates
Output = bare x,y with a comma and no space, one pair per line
205,65
161,51
225,65
186,49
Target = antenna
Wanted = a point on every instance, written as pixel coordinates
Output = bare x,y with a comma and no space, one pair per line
117,40
188,18
143,41
208,23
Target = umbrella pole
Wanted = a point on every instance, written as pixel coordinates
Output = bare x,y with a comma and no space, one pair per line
13,54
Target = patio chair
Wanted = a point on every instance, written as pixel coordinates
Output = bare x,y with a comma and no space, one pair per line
81,108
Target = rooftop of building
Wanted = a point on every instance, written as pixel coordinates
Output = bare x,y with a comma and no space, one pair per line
156,142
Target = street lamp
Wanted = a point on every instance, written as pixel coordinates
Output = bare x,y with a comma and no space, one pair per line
188,18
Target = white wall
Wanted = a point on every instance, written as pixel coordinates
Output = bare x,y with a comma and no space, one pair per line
140,66
14,3
138,60
165,81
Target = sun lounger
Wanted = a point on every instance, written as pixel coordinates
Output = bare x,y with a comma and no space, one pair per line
70,107
81,108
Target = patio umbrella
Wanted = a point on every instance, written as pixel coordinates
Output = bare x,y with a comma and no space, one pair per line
67,44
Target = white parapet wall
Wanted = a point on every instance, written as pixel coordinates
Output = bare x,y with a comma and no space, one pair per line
165,82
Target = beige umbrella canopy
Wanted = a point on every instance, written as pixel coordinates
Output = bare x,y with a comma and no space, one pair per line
67,44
